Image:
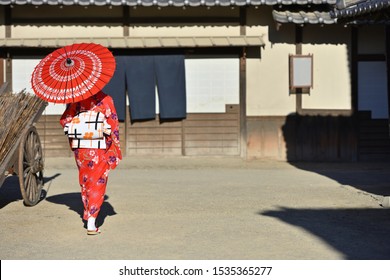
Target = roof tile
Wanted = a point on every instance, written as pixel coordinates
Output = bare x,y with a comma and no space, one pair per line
163,3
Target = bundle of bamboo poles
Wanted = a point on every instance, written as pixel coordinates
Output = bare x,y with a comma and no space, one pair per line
16,112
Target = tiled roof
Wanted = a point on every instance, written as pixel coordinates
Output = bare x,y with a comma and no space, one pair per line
283,15
163,3
284,11
362,8
302,17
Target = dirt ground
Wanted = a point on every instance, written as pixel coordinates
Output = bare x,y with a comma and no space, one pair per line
205,209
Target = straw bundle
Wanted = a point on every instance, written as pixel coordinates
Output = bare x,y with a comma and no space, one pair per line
16,112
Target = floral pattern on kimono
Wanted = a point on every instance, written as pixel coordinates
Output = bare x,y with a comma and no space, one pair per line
95,164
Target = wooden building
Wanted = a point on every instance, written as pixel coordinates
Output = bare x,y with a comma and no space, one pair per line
295,80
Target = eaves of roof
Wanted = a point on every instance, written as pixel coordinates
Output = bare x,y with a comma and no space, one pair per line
303,17
284,11
137,42
281,16
164,3
361,8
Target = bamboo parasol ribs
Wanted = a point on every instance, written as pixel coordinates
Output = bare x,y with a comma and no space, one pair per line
16,111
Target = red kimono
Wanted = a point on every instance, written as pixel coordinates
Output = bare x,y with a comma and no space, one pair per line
94,164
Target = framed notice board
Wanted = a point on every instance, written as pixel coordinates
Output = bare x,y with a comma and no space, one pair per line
301,71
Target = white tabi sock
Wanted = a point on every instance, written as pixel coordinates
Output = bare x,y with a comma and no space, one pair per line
91,223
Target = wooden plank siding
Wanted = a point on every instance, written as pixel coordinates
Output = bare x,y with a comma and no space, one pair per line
154,138
302,138
51,134
199,134
213,133
374,140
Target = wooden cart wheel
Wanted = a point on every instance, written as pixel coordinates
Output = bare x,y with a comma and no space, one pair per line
31,167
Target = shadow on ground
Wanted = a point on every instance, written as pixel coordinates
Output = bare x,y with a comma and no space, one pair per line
373,178
74,203
327,145
10,190
359,234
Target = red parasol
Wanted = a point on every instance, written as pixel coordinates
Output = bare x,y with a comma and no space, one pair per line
73,73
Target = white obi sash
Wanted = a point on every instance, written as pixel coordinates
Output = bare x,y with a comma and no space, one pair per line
87,130
89,144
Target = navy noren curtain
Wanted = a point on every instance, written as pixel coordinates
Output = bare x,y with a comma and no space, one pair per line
140,74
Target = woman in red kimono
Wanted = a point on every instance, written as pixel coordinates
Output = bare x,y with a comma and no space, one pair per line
95,163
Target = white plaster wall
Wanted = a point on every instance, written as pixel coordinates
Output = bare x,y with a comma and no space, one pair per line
65,11
2,26
113,29
62,28
267,76
2,31
267,83
61,31
202,28
331,78
331,69
183,31
65,31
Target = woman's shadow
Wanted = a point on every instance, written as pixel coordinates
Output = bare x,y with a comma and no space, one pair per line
73,201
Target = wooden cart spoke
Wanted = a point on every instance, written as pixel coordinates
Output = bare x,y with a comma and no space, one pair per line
29,147
20,146
31,167
33,189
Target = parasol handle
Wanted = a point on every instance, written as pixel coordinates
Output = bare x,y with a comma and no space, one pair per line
69,62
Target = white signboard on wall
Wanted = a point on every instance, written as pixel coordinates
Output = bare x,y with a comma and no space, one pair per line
301,71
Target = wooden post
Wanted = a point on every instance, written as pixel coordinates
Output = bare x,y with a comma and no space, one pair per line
388,71
354,71
298,50
1,71
126,21
8,71
7,60
243,128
